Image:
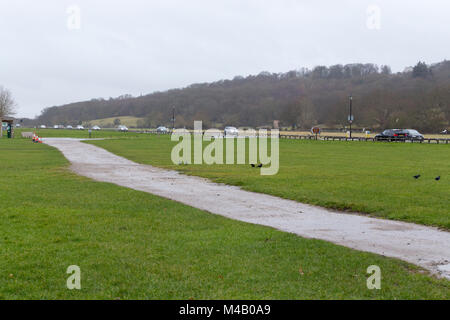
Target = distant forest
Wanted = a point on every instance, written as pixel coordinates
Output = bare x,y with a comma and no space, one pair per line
417,98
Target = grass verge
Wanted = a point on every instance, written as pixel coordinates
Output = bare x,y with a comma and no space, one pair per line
81,134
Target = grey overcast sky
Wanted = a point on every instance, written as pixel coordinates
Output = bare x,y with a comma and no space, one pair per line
50,57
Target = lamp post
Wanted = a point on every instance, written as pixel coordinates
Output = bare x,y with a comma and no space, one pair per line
350,116
173,119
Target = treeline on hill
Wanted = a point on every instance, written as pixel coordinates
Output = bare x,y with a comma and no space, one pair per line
417,98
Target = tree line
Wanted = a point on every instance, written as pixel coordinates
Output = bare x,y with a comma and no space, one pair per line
418,97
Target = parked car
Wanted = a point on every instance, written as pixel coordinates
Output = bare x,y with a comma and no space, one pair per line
162,130
231,131
43,126
96,128
69,127
122,128
399,135
80,127
18,125
414,135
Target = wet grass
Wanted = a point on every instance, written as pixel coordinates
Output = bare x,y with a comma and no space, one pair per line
82,134
367,177
133,245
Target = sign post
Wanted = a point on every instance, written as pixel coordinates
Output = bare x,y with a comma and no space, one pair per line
316,131
350,115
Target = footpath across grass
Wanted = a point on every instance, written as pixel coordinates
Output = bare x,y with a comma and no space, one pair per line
367,177
133,245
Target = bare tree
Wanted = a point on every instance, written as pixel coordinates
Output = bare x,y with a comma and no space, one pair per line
7,103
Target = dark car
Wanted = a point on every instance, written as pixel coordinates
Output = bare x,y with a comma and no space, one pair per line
414,135
391,135
399,135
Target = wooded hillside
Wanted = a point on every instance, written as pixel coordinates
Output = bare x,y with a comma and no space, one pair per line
417,98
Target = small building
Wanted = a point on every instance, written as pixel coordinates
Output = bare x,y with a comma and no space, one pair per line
8,126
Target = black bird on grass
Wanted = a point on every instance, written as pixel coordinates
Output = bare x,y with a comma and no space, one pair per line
438,178
417,177
260,165
253,165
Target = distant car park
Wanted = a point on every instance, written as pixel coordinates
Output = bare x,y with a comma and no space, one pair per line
399,135
69,127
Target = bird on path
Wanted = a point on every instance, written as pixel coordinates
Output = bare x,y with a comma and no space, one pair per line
417,177
438,178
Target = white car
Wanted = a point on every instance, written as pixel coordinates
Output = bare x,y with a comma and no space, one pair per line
43,126
96,128
79,127
162,130
122,128
231,131
69,127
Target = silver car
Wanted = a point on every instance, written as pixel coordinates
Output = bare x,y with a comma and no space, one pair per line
162,130
231,132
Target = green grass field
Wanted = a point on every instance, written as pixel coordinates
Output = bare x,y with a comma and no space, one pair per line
131,244
82,134
367,177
